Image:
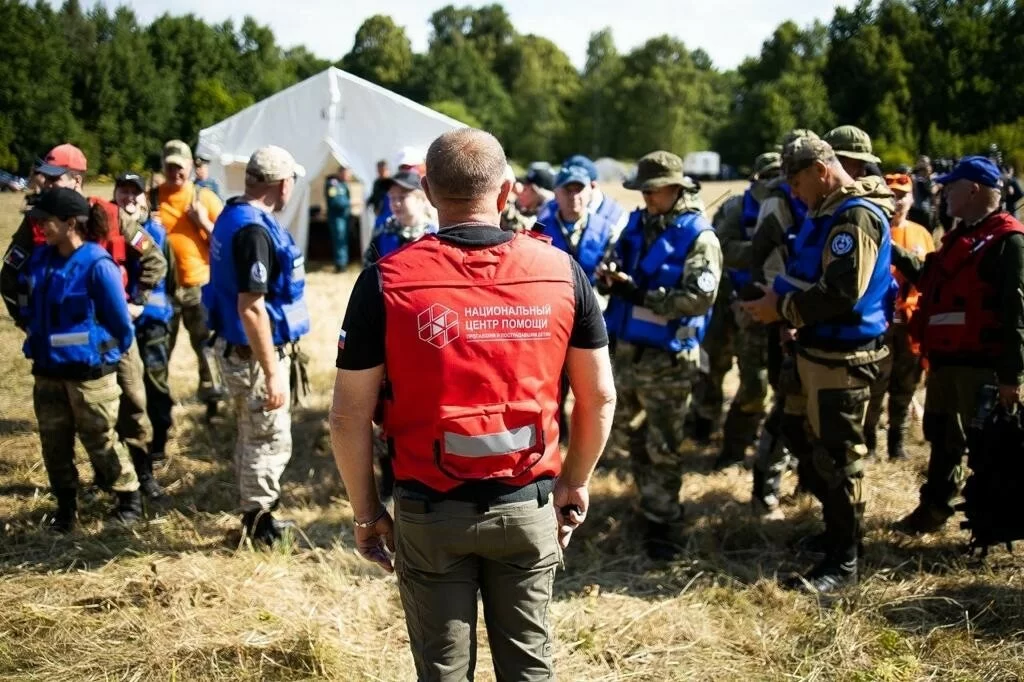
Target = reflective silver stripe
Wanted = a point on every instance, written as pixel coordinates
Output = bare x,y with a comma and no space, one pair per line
157,299
647,315
70,339
490,444
299,269
948,319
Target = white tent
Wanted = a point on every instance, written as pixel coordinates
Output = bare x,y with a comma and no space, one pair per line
330,118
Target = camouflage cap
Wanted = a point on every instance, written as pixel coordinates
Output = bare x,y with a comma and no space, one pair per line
804,151
767,162
851,142
273,164
177,153
794,134
658,169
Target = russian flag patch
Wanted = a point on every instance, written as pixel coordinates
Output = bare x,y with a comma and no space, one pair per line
341,340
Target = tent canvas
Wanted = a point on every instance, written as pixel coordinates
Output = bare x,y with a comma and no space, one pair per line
327,119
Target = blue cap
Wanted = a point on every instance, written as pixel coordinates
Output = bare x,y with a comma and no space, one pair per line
583,161
571,174
976,169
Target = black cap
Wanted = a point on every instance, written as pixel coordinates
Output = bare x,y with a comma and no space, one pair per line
132,179
61,203
202,158
542,177
409,179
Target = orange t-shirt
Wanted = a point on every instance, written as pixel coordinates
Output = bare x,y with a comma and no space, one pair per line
189,242
916,239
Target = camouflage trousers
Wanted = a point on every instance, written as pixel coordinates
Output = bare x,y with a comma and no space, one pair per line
900,377
154,345
653,391
189,311
748,406
133,424
264,443
720,346
88,408
824,426
950,406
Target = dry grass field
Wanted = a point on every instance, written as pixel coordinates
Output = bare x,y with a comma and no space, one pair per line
179,598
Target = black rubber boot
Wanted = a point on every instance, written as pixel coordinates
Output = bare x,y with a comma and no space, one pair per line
263,529
129,508
701,430
64,518
143,464
896,449
658,542
923,520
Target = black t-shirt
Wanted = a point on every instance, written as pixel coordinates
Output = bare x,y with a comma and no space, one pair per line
363,327
255,265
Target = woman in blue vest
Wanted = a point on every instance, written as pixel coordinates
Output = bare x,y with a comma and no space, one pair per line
410,219
572,228
152,324
78,327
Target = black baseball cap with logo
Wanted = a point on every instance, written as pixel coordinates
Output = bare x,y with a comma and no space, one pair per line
132,179
62,203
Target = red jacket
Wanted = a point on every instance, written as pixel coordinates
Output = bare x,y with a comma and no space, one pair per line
958,309
475,347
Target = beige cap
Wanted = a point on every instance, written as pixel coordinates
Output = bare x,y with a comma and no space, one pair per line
272,164
178,153
802,152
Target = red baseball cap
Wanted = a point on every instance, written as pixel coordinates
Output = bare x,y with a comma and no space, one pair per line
62,159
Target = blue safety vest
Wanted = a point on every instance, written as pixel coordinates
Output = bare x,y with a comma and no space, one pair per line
610,210
590,250
158,307
286,307
872,313
748,220
799,211
659,266
63,332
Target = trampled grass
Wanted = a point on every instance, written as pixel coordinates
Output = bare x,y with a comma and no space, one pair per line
179,598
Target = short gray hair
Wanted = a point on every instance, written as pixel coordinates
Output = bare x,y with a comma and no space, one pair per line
465,164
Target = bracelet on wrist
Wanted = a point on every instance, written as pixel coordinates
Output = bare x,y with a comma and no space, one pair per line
370,524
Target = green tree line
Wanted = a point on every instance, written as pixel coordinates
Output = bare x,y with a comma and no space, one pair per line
943,77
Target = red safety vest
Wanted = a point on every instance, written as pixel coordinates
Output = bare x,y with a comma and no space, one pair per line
475,347
114,243
959,310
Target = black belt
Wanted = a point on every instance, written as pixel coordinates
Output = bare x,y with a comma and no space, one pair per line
417,502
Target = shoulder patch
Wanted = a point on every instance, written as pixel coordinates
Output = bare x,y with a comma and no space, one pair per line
706,282
15,257
842,244
258,273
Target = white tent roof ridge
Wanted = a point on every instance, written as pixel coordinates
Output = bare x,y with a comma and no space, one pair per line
332,116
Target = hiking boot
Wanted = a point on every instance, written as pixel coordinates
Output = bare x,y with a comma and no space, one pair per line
143,463
263,529
923,520
658,543
701,429
64,518
831,575
129,508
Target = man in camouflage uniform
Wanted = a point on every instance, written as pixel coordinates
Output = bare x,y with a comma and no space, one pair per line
836,294
779,219
735,225
662,279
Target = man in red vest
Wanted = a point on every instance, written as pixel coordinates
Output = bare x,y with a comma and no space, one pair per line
970,323
469,331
